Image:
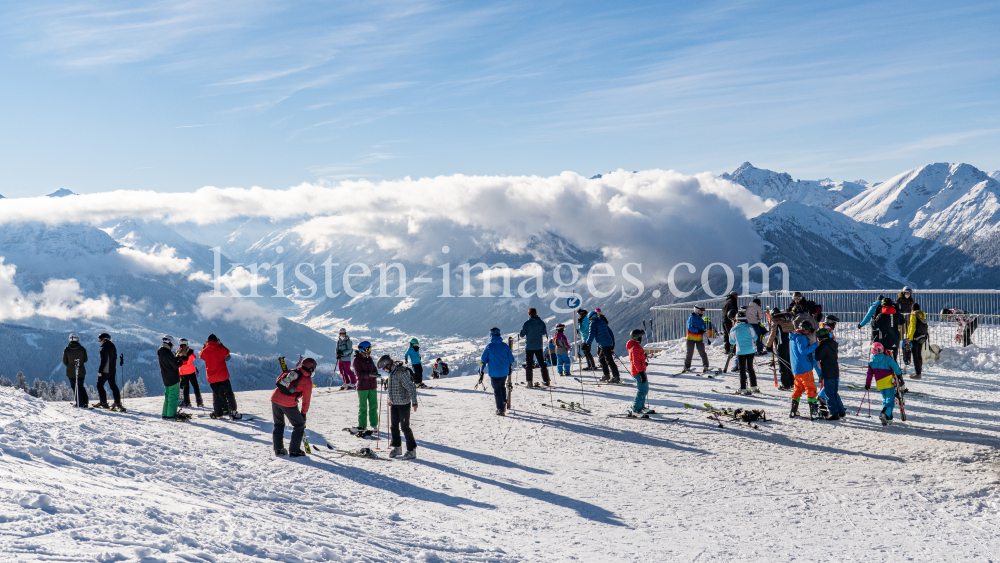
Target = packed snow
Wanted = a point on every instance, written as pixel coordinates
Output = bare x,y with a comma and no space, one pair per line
541,484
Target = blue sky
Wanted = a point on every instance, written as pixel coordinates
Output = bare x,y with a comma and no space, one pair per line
175,95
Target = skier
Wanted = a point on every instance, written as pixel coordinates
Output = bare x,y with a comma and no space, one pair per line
215,355
440,368
584,324
803,364
696,338
170,373
904,301
888,328
364,368
402,393
830,324
755,318
74,358
742,336
534,333
916,337
828,368
872,311
637,365
498,359
777,341
883,368
106,371
550,354
729,309
562,350
292,386
189,374
345,349
601,332
413,358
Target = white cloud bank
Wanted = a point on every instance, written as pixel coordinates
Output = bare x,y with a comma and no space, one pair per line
59,299
655,217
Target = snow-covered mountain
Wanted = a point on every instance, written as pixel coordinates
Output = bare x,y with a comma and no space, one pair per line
951,204
61,192
781,187
995,174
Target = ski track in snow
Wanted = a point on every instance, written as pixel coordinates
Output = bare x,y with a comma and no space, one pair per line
538,485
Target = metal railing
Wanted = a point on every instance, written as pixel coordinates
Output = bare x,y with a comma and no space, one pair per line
850,306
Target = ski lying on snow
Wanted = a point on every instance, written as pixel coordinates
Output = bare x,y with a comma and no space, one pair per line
647,417
567,409
623,383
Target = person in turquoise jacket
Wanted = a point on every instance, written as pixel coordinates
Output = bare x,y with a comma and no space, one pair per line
871,311
882,368
413,357
584,323
743,336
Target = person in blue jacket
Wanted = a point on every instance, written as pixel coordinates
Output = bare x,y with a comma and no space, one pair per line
413,357
744,337
584,324
696,328
535,335
498,359
803,364
601,333
872,311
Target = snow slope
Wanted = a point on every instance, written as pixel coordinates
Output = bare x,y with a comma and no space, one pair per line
539,485
780,187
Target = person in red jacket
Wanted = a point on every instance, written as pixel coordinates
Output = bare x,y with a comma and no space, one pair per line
215,356
285,404
189,374
367,374
637,357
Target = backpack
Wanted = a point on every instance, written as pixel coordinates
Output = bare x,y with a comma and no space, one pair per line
444,369
288,381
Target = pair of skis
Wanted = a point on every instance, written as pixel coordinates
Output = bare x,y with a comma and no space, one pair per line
717,414
569,406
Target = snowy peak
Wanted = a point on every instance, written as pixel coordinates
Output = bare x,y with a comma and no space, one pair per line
63,241
781,187
995,175
62,192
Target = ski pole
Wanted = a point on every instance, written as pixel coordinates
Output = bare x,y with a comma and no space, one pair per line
121,390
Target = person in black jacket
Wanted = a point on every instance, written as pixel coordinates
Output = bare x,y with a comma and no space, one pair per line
729,310
535,334
170,366
889,328
74,358
828,369
106,372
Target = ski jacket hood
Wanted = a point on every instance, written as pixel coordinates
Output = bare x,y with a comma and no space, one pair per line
75,351
743,336
600,332
364,367
636,357
534,333
881,368
303,390
497,357
215,356
826,359
109,359
801,352
169,366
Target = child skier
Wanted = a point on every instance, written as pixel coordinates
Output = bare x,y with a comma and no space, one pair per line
285,404
402,394
189,374
803,364
828,369
498,359
883,368
413,357
345,349
637,359
364,368
562,350
744,338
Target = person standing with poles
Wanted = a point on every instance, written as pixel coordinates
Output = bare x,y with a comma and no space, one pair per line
729,310
402,394
535,334
74,358
413,357
777,341
562,351
498,359
106,371
696,339
345,351
584,324
637,361
189,374
367,373
601,333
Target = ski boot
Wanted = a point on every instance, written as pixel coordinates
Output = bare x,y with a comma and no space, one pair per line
201,404
883,418
500,413
280,452
813,411
118,407
742,391
298,453
606,379
795,409
824,409
101,406
410,454
235,416
832,417
754,390
916,376
615,381
396,452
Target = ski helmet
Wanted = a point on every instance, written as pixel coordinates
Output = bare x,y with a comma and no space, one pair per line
797,294
581,312
877,348
495,331
886,302
822,334
104,336
342,331
309,365
212,338
698,309
806,326
741,316
775,311
385,362
637,334
832,320
414,341
365,346
560,326
906,289
183,342
733,294
74,338
169,340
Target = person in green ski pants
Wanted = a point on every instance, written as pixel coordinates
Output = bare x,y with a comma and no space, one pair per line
170,373
364,368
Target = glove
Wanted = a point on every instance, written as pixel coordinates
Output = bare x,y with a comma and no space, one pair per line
642,376
868,387
339,354
859,326
303,418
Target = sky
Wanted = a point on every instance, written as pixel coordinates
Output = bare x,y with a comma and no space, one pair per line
175,95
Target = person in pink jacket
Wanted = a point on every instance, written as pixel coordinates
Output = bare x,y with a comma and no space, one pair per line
637,357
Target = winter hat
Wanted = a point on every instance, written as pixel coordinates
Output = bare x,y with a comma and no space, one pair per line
877,348
822,334
414,341
916,307
756,300
104,336
212,338
597,310
74,338
168,340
